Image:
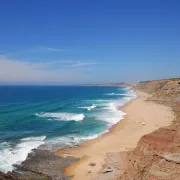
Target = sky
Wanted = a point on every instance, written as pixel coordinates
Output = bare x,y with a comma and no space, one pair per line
98,41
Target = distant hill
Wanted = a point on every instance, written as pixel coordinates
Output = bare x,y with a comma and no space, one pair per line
108,84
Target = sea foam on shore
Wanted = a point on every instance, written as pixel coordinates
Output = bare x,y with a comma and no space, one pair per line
60,123
15,154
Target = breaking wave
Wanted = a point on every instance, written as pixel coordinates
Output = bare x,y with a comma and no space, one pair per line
62,116
10,155
89,108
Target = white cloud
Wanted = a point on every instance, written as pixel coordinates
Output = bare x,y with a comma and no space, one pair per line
13,71
55,49
82,64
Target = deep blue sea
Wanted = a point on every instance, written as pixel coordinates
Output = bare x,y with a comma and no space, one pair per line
54,117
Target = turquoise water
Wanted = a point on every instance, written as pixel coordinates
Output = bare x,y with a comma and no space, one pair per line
54,117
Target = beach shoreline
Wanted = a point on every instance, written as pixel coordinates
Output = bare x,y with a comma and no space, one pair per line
138,121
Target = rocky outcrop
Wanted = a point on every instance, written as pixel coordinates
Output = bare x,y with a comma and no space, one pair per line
40,165
7,176
46,163
157,155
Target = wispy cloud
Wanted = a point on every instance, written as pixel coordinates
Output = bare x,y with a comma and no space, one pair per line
34,50
54,72
55,49
82,64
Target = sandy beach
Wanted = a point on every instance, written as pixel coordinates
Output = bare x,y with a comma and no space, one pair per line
142,117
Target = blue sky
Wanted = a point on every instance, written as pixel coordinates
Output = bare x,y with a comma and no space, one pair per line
72,42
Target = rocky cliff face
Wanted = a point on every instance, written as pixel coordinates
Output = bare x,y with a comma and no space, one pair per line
157,155
7,176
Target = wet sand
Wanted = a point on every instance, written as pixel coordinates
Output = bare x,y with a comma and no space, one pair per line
142,117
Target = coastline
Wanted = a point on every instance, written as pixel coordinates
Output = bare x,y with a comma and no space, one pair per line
28,164
116,154
138,121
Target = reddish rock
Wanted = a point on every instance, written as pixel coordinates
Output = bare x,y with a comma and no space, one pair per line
157,155
7,176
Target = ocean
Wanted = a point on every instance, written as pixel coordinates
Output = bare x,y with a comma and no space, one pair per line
53,117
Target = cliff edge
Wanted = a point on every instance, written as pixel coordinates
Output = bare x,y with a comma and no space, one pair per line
157,155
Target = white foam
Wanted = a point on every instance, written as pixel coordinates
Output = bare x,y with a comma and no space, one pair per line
110,114
62,116
68,141
40,138
113,114
89,108
100,100
15,155
114,94
110,94
131,93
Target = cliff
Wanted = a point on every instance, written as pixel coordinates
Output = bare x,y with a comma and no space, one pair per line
157,155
